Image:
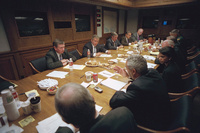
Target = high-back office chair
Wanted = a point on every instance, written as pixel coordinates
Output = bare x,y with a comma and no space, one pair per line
76,53
5,83
39,65
180,116
191,86
190,69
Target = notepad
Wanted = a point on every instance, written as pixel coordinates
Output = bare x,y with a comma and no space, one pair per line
151,65
113,84
77,67
57,74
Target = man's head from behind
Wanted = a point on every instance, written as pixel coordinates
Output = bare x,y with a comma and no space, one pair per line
114,36
174,32
136,65
140,31
168,43
95,40
59,46
75,104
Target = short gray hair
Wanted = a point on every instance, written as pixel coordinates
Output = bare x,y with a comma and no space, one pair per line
114,34
95,36
170,42
137,62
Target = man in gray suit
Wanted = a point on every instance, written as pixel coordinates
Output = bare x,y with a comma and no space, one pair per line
112,42
126,39
137,36
58,56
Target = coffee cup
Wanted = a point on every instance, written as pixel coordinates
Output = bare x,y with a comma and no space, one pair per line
26,107
35,104
88,75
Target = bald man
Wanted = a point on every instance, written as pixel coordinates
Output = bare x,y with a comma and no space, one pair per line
137,36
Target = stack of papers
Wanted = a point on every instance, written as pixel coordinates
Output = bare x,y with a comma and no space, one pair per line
113,84
106,74
151,65
78,67
147,57
130,52
154,53
57,74
51,124
105,55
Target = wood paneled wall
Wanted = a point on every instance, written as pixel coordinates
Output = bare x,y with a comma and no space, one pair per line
15,64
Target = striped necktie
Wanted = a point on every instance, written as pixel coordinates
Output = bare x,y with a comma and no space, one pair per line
61,57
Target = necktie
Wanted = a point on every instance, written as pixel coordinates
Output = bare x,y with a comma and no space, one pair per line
61,57
114,44
95,50
127,40
138,38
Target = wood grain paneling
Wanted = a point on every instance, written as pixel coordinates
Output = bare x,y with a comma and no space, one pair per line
8,67
65,34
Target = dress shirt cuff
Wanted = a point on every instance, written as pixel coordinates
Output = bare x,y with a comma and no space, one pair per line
71,127
106,51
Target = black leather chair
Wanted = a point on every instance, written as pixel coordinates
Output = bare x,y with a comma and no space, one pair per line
39,65
191,86
76,53
180,117
5,83
190,69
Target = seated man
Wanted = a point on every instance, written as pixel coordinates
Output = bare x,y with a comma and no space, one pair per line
146,96
77,107
58,56
94,47
113,43
137,36
126,39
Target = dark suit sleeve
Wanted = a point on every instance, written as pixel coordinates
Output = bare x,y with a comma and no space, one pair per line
52,60
100,48
68,56
109,45
64,130
125,99
124,42
117,43
85,49
134,37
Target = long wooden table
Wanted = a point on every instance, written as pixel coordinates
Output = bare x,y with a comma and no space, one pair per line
47,101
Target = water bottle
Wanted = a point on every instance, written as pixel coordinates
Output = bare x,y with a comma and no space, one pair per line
70,64
15,95
88,54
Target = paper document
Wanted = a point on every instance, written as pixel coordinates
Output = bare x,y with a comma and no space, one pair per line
51,124
147,57
85,84
105,55
106,74
154,53
113,84
99,80
130,52
151,65
78,67
32,93
57,74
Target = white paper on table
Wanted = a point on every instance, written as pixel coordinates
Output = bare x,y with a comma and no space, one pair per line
78,67
105,55
57,74
98,108
113,84
123,61
130,52
106,74
151,65
85,84
147,57
99,80
12,129
114,60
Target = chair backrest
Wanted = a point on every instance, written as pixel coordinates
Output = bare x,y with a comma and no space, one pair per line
76,53
39,64
181,110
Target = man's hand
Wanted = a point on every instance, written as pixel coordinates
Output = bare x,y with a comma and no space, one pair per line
64,61
121,71
98,54
108,52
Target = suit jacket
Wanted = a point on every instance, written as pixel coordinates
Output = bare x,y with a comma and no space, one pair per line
53,61
148,100
124,41
110,44
135,37
88,45
119,120
172,77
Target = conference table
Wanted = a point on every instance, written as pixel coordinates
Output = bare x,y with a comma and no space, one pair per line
47,100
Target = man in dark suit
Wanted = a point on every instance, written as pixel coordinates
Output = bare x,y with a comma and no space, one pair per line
94,47
146,96
125,40
112,42
137,36
76,106
58,56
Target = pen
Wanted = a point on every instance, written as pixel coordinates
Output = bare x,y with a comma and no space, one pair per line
82,76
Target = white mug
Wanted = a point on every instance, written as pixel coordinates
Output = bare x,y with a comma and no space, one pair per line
35,104
88,76
26,107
